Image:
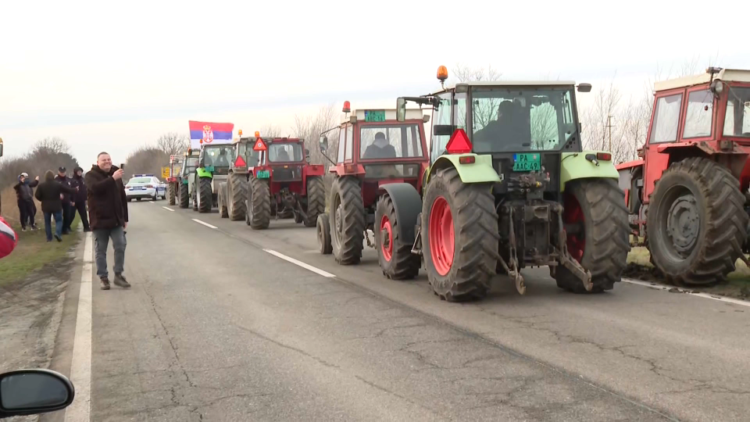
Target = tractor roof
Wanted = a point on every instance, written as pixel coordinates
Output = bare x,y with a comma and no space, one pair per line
726,75
464,86
387,114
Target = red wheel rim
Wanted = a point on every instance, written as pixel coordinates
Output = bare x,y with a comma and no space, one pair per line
574,215
442,239
386,238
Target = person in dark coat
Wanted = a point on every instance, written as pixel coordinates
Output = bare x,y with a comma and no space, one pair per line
50,194
68,204
108,216
80,198
25,195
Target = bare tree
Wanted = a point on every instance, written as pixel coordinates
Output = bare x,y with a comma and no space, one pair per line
271,131
309,128
53,145
484,109
173,143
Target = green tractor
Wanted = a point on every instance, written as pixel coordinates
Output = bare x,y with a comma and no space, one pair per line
232,197
509,186
186,178
211,173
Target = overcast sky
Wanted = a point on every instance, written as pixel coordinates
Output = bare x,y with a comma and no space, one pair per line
115,75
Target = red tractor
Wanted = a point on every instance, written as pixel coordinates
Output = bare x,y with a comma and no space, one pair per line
376,153
687,194
282,181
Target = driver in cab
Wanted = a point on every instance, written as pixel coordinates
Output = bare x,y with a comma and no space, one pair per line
500,129
379,148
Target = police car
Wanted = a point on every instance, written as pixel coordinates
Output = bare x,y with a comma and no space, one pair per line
145,186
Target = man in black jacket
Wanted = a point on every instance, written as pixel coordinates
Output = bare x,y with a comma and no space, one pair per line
108,214
80,198
68,204
25,195
49,193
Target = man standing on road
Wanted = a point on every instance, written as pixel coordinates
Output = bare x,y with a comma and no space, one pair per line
25,194
68,206
108,214
80,198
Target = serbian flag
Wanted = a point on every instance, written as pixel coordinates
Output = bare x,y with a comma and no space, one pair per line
210,133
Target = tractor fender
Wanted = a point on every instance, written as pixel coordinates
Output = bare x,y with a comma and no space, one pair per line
408,205
574,165
480,171
204,173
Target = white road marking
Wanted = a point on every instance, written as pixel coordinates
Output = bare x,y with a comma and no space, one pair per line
205,224
168,209
80,368
301,264
687,291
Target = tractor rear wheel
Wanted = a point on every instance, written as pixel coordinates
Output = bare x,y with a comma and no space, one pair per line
184,195
394,255
205,195
696,222
171,193
316,200
222,198
347,220
459,236
259,204
323,228
236,196
596,207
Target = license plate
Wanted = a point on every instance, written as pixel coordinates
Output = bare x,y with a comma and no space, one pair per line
527,162
137,188
263,174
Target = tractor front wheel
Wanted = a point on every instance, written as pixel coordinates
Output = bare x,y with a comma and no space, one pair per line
323,228
316,200
184,195
205,195
696,222
459,236
171,193
394,255
259,205
595,208
347,220
236,196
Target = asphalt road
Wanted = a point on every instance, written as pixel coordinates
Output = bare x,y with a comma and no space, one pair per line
218,327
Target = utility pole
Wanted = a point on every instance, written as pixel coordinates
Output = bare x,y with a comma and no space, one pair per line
609,128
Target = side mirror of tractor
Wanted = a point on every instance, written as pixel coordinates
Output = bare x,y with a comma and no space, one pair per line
401,109
34,391
584,87
323,143
1,147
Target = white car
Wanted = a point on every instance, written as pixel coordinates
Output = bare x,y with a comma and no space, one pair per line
145,186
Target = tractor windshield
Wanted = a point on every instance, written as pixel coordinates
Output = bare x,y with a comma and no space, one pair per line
191,163
521,119
218,156
391,141
737,119
285,152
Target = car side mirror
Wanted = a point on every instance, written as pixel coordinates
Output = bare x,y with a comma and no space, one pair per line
401,109
34,391
323,143
441,130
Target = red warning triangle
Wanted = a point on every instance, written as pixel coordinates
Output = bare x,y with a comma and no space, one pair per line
459,143
259,145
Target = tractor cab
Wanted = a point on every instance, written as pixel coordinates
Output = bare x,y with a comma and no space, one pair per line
216,158
244,156
282,159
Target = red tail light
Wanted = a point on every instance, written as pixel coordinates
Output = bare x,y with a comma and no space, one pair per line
603,156
240,162
469,159
149,186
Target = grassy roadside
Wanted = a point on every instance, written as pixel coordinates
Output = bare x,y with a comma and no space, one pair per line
33,252
737,284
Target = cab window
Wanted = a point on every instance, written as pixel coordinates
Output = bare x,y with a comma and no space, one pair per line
392,141
342,145
699,114
440,117
666,119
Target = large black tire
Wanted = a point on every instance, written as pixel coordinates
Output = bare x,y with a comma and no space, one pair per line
259,204
601,203
205,197
394,255
347,220
184,195
467,273
705,200
316,200
236,196
171,193
323,228
222,199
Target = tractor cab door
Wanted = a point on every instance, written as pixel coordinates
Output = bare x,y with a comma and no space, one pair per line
443,116
666,123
